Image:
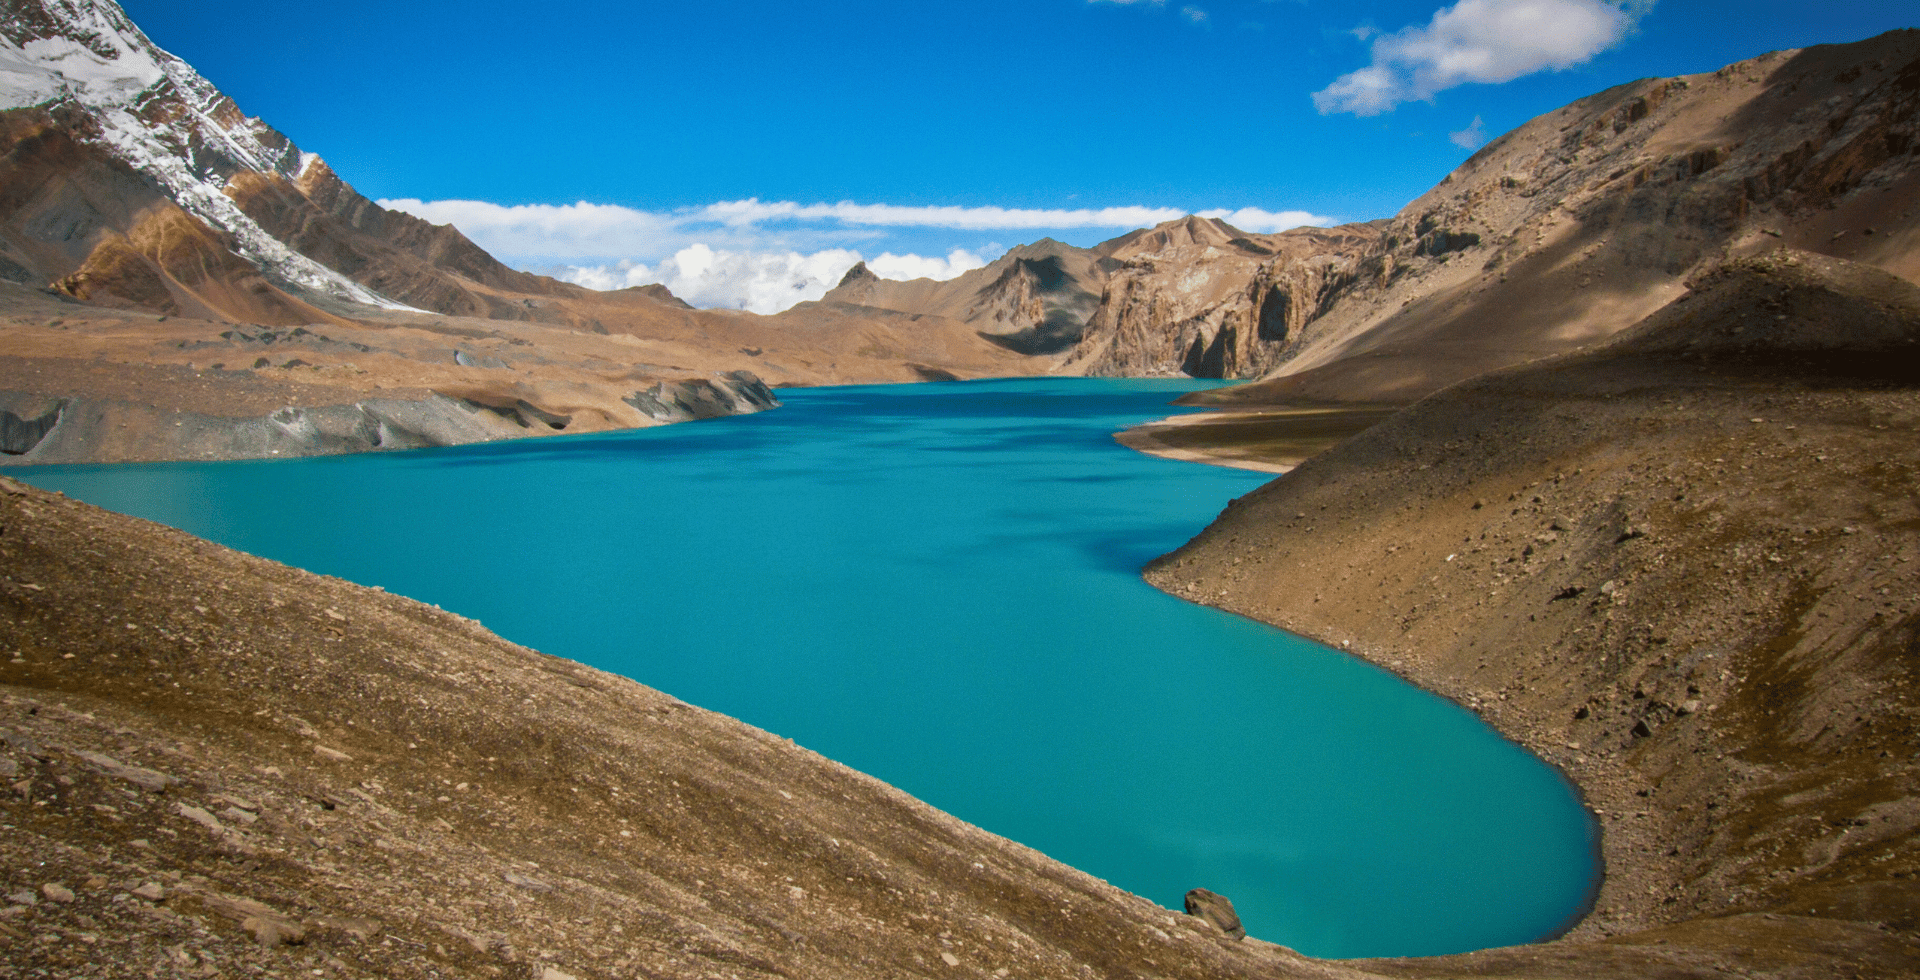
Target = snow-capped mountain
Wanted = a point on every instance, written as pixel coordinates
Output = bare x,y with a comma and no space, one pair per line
157,114
132,181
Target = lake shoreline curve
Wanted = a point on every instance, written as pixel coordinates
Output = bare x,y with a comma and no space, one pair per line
1680,567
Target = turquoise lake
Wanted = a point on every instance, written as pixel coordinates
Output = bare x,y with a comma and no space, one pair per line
939,584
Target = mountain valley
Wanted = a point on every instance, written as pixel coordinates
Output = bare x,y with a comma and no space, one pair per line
1607,437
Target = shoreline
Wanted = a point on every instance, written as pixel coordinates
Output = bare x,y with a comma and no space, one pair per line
1149,438
1145,438
1629,610
1264,439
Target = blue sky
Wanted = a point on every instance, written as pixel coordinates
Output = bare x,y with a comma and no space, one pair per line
654,112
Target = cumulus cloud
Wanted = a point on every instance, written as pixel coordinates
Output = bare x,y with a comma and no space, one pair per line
763,282
1267,222
1479,41
760,282
765,256
890,266
1471,137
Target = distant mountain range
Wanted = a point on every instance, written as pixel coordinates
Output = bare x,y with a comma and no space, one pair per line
130,184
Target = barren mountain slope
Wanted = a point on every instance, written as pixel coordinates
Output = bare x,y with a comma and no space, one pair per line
85,384
1683,568
1584,220
1035,299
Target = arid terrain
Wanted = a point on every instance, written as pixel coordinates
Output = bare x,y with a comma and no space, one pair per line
1681,568
221,766
1650,512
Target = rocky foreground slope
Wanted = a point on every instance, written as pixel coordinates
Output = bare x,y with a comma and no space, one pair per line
1685,568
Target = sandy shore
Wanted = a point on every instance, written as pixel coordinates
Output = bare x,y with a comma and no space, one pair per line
1266,439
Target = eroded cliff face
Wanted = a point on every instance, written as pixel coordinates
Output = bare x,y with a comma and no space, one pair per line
1202,298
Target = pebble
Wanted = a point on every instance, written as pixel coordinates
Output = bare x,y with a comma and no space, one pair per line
271,931
334,754
24,898
201,817
531,884
151,891
147,779
56,892
949,959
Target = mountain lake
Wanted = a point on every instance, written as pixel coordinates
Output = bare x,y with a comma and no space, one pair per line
938,584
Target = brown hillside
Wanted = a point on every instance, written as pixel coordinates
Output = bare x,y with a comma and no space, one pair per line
1585,220
1683,568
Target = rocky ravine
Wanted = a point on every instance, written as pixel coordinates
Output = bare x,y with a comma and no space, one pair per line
1685,568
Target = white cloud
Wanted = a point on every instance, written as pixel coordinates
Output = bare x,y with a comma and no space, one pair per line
755,211
765,256
1194,14
1267,222
1471,137
761,282
890,266
598,232
1479,41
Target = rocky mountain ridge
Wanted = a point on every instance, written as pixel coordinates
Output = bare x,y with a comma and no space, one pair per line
1555,235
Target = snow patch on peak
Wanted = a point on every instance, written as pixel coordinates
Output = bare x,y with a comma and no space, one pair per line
88,52
84,50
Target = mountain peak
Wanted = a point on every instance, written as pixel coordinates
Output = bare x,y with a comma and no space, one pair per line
856,275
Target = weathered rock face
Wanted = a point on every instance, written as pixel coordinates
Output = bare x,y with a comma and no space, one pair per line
1202,298
733,393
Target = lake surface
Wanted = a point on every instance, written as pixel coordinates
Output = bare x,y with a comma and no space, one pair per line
938,584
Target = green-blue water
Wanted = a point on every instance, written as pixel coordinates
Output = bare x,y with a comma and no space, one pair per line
938,584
